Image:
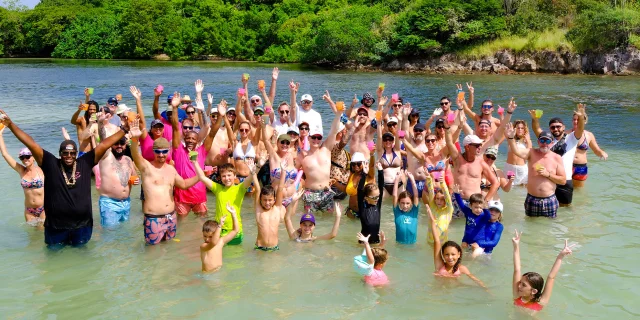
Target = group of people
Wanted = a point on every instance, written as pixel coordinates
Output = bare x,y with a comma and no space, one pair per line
281,154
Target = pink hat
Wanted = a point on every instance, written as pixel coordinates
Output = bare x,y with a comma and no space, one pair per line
24,152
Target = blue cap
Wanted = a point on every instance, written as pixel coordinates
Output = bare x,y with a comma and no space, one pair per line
169,98
112,101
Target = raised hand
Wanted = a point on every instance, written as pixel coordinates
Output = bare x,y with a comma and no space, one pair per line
581,110
512,105
156,91
355,99
175,102
437,112
379,166
244,80
275,73
293,86
222,107
251,164
566,250
362,238
459,87
533,114
102,116
81,105
86,92
326,96
135,92
456,188
509,131
516,239
231,209
470,87
135,131
406,110
383,100
210,98
199,103
379,91
199,86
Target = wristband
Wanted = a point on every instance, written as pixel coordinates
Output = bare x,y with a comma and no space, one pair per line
509,112
512,138
122,127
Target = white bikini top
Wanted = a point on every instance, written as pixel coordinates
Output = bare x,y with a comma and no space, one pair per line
239,154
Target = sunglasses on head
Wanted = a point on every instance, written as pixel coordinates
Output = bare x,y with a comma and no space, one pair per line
68,153
359,163
490,157
244,130
316,137
25,157
187,127
555,127
160,151
487,106
430,140
255,100
304,128
284,112
444,103
544,140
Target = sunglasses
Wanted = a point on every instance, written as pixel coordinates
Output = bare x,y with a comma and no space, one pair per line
233,114
397,105
244,130
187,127
284,112
285,142
490,157
69,153
160,151
387,140
418,131
215,115
444,103
393,124
555,127
359,163
363,114
440,127
120,143
374,198
430,140
259,113
306,101
255,100
191,112
487,106
544,140
316,137
475,145
25,157
304,128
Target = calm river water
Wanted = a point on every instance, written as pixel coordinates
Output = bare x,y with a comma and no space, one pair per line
117,276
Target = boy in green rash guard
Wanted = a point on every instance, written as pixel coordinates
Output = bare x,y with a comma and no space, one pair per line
228,191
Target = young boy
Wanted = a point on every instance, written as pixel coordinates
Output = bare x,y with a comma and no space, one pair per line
376,259
269,210
228,191
489,236
211,249
476,216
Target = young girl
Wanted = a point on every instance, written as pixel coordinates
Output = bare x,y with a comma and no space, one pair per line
369,204
405,211
308,223
489,236
447,258
376,259
528,290
439,201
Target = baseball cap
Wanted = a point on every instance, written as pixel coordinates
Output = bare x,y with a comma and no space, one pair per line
112,101
340,126
388,135
414,112
169,98
160,143
293,130
365,109
493,151
156,122
306,97
214,110
393,120
308,217
419,126
496,204
169,108
258,108
357,157
231,109
24,152
471,139
439,121
315,132
545,134
284,137
68,145
122,109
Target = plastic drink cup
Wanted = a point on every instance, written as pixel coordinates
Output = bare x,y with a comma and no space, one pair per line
510,174
451,117
436,175
223,150
539,113
208,170
395,97
245,76
268,108
90,90
260,84
93,117
133,178
119,97
381,85
193,155
1,126
500,110
160,88
461,95
85,107
401,134
241,91
371,146
378,115
538,166
131,116
340,105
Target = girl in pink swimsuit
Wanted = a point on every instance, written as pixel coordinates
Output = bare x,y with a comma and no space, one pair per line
528,288
447,257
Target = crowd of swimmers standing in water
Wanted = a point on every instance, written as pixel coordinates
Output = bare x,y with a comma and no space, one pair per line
281,155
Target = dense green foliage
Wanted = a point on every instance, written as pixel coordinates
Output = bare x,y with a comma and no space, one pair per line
309,31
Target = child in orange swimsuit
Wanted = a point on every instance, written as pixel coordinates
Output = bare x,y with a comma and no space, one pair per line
447,257
528,290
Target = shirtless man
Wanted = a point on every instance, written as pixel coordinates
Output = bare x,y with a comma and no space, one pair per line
486,131
84,122
115,172
364,131
486,113
269,212
158,181
470,168
546,170
316,164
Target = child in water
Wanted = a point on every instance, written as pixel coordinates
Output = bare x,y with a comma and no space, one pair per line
405,211
376,258
447,257
489,236
308,223
211,249
439,201
269,211
528,290
476,218
369,206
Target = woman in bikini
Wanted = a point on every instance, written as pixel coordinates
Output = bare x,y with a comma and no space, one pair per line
390,159
515,164
580,171
357,173
32,182
276,156
435,161
243,149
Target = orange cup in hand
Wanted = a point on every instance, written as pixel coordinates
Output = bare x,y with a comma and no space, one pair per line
261,84
132,179
85,107
131,116
340,105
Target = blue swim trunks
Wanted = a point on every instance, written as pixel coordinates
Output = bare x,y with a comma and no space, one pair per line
420,184
113,211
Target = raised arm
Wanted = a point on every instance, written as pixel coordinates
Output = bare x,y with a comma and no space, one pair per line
7,157
535,123
76,120
156,102
252,176
453,152
517,274
293,90
201,176
499,134
137,95
548,287
283,176
430,194
26,139
222,110
510,133
274,79
396,181
492,179
136,156
416,198
175,127
331,139
437,258
471,94
367,247
415,152
336,224
581,113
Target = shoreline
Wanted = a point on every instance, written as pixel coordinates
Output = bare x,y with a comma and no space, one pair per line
620,62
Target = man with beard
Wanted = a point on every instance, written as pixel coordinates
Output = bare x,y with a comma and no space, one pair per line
67,186
545,172
564,145
115,171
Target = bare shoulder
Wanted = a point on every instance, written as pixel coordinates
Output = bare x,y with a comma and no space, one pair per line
464,270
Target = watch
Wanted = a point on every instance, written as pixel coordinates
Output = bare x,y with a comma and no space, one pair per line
123,128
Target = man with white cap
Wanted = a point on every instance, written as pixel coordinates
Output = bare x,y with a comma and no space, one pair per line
306,112
470,168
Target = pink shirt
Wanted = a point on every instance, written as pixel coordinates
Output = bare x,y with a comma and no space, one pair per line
376,278
168,129
184,167
146,148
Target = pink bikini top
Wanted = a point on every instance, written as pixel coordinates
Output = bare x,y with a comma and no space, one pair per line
444,273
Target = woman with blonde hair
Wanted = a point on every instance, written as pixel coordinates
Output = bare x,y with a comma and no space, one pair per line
516,165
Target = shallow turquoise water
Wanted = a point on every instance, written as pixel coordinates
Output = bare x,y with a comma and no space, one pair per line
117,276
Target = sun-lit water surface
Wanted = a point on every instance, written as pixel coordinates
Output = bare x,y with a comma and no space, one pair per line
117,276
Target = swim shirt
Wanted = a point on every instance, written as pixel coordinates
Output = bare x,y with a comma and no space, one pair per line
184,167
406,224
234,195
473,223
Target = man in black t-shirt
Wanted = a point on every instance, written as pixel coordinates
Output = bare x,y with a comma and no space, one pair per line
67,186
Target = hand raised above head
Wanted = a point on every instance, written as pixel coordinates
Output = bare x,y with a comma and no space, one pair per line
275,73
199,86
135,92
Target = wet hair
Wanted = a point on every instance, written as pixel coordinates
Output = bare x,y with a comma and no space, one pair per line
526,128
405,194
438,191
455,245
368,188
209,226
476,198
268,191
226,167
536,281
380,256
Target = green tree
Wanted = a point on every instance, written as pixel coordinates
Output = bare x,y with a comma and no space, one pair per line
604,29
90,36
